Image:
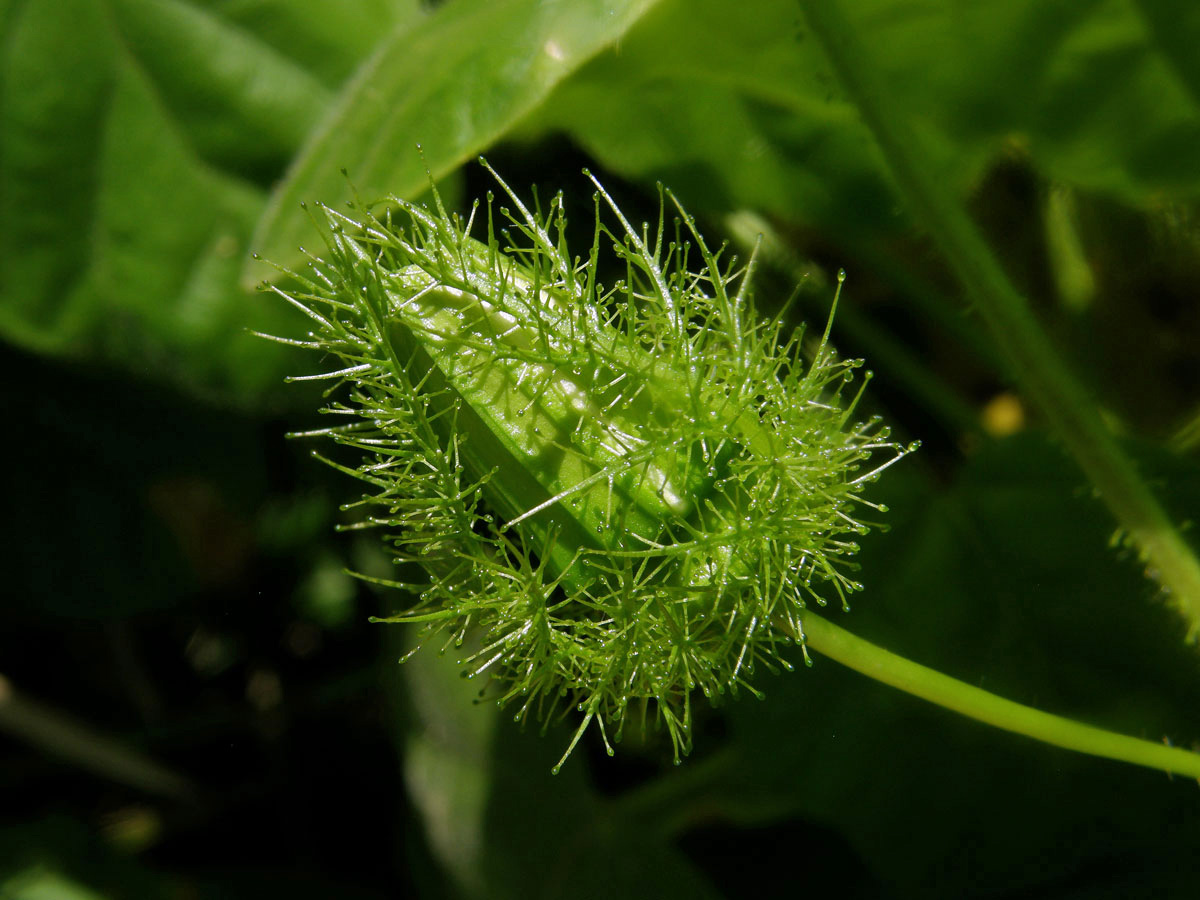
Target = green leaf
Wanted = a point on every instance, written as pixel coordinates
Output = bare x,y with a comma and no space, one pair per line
327,39
490,807
241,104
40,883
551,836
59,858
118,242
447,762
1175,29
454,84
1083,87
728,111
741,110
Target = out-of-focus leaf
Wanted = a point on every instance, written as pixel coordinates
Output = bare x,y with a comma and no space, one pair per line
61,859
447,764
117,241
491,808
453,84
496,818
327,39
548,836
737,107
1083,87
728,110
241,103
1175,28
41,883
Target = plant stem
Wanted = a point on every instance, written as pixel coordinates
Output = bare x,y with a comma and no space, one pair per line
1044,376
913,678
62,736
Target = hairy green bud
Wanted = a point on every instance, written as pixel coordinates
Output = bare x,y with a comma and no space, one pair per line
629,492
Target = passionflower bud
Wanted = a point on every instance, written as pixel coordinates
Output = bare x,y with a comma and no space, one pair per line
624,492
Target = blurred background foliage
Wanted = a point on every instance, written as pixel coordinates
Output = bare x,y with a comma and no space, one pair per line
192,703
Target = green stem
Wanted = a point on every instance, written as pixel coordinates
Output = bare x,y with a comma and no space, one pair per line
62,736
910,677
1045,377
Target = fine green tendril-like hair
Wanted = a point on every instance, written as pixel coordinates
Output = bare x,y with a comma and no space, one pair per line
619,494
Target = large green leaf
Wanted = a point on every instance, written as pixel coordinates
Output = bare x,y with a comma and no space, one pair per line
119,240
241,104
736,107
453,84
327,39
1084,87
728,110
